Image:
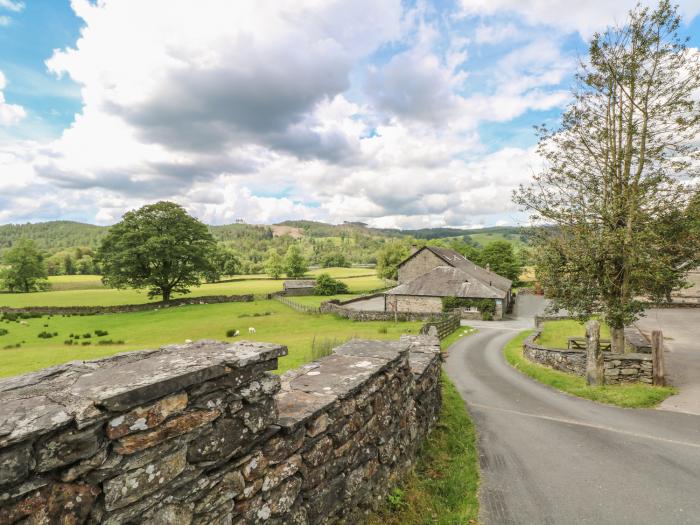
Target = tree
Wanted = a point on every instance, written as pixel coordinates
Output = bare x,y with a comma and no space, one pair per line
274,265
335,260
159,247
388,259
68,265
617,172
224,261
500,257
26,270
326,285
294,263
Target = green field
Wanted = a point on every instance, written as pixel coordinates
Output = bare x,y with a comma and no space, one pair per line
86,290
555,334
154,328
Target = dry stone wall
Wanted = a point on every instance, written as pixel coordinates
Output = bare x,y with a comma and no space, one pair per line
205,434
618,368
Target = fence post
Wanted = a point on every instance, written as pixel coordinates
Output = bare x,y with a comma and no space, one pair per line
594,357
658,372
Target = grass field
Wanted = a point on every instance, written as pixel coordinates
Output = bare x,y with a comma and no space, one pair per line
77,291
154,328
628,396
555,334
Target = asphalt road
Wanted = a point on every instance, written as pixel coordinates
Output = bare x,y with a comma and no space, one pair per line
550,458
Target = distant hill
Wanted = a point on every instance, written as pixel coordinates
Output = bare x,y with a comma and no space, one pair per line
53,236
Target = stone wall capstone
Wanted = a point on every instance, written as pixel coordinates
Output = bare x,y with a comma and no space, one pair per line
203,433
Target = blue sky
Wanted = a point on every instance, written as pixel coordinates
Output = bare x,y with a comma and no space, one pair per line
400,114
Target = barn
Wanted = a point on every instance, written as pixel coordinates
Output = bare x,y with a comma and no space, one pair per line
430,274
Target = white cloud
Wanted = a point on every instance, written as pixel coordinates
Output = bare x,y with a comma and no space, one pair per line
9,113
584,17
12,5
495,34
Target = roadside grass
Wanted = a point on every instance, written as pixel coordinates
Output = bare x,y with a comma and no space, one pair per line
273,322
75,291
555,334
627,396
442,487
448,341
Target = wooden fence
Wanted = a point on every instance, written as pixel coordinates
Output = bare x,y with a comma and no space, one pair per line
444,326
303,308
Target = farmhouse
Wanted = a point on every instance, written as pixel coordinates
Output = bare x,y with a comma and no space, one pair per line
299,286
431,274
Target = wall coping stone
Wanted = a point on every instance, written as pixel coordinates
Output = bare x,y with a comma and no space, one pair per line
80,391
634,356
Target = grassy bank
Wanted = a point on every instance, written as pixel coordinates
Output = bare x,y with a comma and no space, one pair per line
462,331
628,396
273,322
555,334
442,487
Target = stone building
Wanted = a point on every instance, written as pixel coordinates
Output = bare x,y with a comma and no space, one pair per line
299,287
432,273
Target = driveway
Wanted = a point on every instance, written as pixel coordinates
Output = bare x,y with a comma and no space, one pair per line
550,458
681,328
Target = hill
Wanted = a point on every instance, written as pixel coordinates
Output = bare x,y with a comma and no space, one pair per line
52,236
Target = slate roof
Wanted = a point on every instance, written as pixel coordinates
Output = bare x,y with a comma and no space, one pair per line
457,260
448,281
300,283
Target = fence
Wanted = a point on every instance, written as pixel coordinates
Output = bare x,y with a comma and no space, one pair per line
303,308
444,326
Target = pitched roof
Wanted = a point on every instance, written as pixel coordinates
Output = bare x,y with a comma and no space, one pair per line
448,281
457,260
300,283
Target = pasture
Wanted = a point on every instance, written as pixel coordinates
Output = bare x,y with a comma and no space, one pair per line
273,322
87,290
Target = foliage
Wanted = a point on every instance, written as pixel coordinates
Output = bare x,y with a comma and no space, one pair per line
487,307
274,265
618,172
326,285
389,258
224,261
159,247
295,264
555,334
231,332
4,331
442,487
26,270
628,396
335,260
500,257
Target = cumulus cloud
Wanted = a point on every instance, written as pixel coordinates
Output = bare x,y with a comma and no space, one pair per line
12,5
582,17
9,113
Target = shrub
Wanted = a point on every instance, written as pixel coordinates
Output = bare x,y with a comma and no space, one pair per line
86,343
110,342
3,331
324,347
326,285
45,335
87,336
487,307
101,333
7,347
68,342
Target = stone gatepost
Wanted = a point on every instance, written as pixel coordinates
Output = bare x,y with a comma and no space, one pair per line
594,356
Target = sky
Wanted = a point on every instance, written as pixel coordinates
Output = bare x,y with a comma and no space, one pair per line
405,114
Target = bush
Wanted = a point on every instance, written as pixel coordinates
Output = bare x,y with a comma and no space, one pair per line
326,285
3,331
68,342
382,330
7,347
86,343
110,342
87,336
46,335
487,307
101,333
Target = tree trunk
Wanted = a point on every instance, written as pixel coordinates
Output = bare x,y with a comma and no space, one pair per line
617,340
166,295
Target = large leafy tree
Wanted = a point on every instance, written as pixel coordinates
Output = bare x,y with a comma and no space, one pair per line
294,263
26,269
388,259
274,264
501,258
618,171
159,247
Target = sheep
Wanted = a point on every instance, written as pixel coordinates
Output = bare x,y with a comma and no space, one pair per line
188,341
24,323
251,330
238,332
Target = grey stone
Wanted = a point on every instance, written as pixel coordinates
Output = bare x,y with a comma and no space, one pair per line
67,447
15,463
